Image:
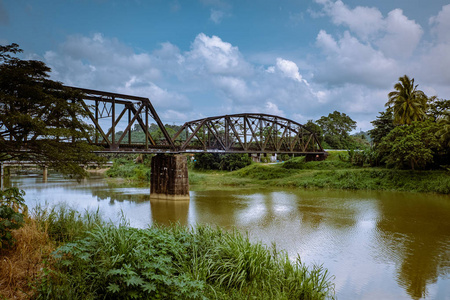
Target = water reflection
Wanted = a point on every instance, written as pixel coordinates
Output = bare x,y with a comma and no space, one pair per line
378,245
169,212
416,236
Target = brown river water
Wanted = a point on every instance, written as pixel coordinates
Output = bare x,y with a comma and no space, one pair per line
378,245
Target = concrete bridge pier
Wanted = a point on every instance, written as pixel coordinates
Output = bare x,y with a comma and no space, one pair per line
169,177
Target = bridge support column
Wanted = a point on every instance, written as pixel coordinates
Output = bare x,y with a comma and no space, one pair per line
44,173
169,177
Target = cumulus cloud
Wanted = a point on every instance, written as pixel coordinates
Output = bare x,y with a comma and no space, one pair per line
441,24
290,69
350,61
212,77
401,35
211,55
395,35
364,21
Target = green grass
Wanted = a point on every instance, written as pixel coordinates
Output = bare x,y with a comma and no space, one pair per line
64,224
332,174
109,262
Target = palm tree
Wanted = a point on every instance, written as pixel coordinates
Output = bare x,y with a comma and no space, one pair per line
407,102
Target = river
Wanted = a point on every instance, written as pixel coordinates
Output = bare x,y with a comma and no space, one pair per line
378,245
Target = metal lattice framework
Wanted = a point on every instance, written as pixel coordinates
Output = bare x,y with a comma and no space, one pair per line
247,133
112,117
107,110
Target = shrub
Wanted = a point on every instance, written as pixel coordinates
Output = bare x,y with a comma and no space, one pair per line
12,210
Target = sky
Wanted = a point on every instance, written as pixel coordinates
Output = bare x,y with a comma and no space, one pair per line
298,59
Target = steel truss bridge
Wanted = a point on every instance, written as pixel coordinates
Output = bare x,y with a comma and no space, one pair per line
114,116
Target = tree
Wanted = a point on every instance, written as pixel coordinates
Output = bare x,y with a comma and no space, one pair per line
411,146
383,124
336,128
40,119
316,129
438,108
407,102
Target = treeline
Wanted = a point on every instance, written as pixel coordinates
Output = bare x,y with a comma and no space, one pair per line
412,133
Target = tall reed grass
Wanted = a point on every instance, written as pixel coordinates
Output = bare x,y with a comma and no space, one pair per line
178,263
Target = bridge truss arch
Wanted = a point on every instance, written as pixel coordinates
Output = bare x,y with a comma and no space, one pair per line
247,133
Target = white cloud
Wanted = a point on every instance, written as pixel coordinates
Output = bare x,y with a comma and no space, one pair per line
272,109
211,55
350,61
394,35
402,35
290,69
364,21
441,24
213,77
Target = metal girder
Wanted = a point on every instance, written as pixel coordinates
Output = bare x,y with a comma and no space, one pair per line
106,105
247,133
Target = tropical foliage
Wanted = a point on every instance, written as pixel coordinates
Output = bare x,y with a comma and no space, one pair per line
413,145
407,102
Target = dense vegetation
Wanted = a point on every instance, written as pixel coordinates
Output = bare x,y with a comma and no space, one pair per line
43,118
62,254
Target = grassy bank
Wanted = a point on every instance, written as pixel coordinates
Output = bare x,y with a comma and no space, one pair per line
78,256
332,173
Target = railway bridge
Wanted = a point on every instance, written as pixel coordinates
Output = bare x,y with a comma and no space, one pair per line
113,118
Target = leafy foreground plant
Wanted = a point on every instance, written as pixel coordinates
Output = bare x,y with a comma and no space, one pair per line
177,263
12,211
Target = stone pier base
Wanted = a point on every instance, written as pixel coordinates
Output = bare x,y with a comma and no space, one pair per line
169,177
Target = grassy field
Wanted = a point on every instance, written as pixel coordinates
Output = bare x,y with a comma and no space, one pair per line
332,173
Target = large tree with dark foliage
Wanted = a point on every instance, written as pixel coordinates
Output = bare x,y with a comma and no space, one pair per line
336,128
40,119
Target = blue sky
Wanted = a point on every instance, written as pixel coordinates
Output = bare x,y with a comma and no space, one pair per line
193,59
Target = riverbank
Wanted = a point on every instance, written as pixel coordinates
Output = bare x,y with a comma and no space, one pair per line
333,173
75,256
262,175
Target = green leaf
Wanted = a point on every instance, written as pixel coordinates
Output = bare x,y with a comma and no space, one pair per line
134,281
148,286
113,288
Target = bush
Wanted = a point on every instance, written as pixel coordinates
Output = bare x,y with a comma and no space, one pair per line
12,210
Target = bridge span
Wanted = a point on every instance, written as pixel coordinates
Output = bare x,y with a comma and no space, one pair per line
114,116
237,133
